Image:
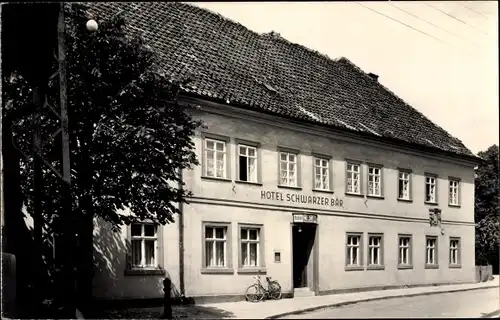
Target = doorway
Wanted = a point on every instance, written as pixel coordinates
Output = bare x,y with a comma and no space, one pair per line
303,236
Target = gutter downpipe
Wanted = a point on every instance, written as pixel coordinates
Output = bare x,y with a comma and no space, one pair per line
181,240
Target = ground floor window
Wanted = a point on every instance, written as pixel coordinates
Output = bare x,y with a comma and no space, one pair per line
251,246
375,250
454,251
144,237
431,251
404,259
353,250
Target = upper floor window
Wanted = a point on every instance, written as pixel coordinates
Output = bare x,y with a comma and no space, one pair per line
374,181
454,189
215,158
430,189
247,161
353,178
404,185
288,169
321,174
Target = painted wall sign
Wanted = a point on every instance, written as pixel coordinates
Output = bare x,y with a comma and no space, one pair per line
299,198
305,218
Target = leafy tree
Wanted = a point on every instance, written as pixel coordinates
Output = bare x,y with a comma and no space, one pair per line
128,135
486,208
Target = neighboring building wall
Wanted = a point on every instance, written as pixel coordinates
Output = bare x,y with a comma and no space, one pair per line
110,259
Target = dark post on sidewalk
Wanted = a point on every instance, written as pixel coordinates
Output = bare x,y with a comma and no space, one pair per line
167,302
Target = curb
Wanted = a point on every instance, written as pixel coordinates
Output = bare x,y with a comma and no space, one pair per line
340,304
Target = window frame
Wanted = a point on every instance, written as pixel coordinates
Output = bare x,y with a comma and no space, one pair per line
360,266
458,181
227,159
360,175
408,265
158,269
458,264
381,264
298,173
228,268
436,252
381,182
410,187
328,159
261,267
435,177
257,146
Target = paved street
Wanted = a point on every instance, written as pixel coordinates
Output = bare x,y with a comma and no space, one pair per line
476,303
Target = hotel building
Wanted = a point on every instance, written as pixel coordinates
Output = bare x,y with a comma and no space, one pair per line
312,172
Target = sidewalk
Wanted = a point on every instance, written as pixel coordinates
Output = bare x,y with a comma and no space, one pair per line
277,308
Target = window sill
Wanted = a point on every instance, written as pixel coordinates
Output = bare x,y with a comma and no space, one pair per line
405,200
431,203
216,179
431,266
217,271
405,267
455,266
375,197
145,272
454,206
354,194
324,191
248,182
289,187
354,268
375,267
251,270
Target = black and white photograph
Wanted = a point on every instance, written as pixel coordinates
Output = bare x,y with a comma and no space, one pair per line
249,160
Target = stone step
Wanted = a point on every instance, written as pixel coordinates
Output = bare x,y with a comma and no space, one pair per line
303,292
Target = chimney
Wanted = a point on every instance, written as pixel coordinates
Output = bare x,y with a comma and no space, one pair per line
373,76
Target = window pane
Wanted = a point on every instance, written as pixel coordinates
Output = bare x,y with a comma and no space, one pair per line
317,162
219,146
283,156
136,229
209,254
209,232
244,234
219,233
252,152
355,256
291,157
149,230
243,169
219,251
253,234
252,172
244,254
210,144
150,252
243,150
136,252
253,254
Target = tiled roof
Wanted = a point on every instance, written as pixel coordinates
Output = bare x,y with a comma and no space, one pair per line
230,63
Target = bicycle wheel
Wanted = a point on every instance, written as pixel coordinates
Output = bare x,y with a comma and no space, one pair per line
254,293
274,290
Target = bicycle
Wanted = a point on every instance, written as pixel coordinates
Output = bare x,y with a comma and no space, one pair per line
256,292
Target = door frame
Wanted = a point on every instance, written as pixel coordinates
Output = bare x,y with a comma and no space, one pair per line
315,260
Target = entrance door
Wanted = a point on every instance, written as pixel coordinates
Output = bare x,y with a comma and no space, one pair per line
303,240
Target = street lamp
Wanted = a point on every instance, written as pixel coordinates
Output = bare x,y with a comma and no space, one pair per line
92,25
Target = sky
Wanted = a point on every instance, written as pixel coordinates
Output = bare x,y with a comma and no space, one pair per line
440,57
